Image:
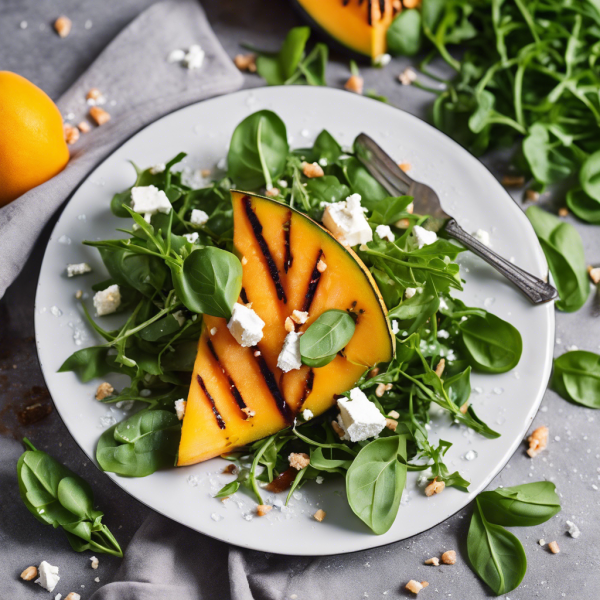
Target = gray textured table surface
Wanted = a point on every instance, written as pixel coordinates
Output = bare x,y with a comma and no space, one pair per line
572,460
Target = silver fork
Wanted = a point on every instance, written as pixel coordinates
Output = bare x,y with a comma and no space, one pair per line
426,202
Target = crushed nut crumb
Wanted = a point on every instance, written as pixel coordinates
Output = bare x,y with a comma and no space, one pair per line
439,370
84,127
563,212
312,170
244,260
394,414
553,547
355,84
99,115
299,316
449,557
256,353
407,76
391,424
29,573
63,25
213,331
594,274
402,224
263,509
320,515
435,487
338,429
464,408
93,94
414,586
321,266
373,372
78,294
104,391
71,133
73,596
513,181
538,440
532,195
229,470
299,460
272,192
435,561
94,562
289,325
246,62
405,166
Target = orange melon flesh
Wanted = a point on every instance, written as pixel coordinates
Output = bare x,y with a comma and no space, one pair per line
238,395
349,24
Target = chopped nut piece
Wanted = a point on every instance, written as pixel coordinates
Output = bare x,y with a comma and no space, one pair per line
321,266
99,115
380,390
73,596
424,583
93,94
394,414
449,557
435,487
440,367
94,562
84,127
594,274
246,62
553,547
289,325
391,424
464,408
230,470
410,208
213,331
402,224
71,134
406,167
244,260
373,372
563,212
272,192
104,391
78,294
341,433
256,353
249,413
29,573
299,460
312,170
355,84
299,316
320,515
263,509
513,181
224,498
62,25
414,586
205,172
532,195
538,440
435,561
407,76
412,3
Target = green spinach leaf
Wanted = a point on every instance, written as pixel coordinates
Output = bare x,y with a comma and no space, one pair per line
576,377
325,337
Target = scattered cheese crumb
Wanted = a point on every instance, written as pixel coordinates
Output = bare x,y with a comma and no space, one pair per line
542,542
553,547
246,62
435,561
180,406
299,316
385,233
538,440
355,84
289,358
481,235
104,391
149,200
263,509
192,238
107,301
48,576
449,557
573,530
359,417
78,269
347,221
312,170
63,25
272,192
29,573
194,57
423,237
409,292
320,515
213,331
435,487
594,274
381,60
299,460
99,115
198,218
244,260
175,56
307,414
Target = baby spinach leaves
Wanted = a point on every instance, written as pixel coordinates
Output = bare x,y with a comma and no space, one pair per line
563,248
56,496
404,35
329,334
141,444
576,377
375,480
258,151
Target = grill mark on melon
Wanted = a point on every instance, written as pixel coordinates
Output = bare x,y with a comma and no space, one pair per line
308,386
312,284
218,417
282,405
264,248
232,387
243,296
287,230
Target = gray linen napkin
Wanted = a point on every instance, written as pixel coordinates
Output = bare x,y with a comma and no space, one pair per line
140,86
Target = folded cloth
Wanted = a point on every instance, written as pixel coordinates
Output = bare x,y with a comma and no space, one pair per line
140,85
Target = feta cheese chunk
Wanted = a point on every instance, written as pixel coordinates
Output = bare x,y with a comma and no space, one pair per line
179,317
289,357
483,236
395,328
158,168
48,576
180,408
245,326
78,269
409,292
307,414
346,220
385,233
194,57
359,417
191,237
193,178
423,237
198,218
107,301
148,200
176,56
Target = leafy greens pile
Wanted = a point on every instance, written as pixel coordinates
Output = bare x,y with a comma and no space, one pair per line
167,282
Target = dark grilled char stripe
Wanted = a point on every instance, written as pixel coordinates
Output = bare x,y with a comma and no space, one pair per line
308,386
218,417
232,387
257,229
312,284
287,228
243,296
282,405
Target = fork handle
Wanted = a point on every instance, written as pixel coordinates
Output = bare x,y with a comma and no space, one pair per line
535,289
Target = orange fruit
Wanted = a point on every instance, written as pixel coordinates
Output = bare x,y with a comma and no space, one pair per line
32,141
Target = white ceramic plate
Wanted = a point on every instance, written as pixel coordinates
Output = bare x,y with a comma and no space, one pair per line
507,402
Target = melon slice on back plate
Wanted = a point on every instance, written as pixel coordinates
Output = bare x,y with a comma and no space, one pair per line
238,395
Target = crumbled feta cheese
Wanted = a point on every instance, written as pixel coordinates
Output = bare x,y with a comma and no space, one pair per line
148,200
198,218
442,333
158,168
395,328
245,326
180,317
482,236
282,183
410,292
194,57
192,238
443,304
176,56
385,233
299,316
423,237
180,408
307,414
48,576
346,220
289,357
59,597
78,269
359,417
107,301
573,529
193,178
382,60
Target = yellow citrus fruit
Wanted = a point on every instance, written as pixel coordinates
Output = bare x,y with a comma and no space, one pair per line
32,141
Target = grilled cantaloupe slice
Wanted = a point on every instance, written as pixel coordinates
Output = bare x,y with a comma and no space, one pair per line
238,395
